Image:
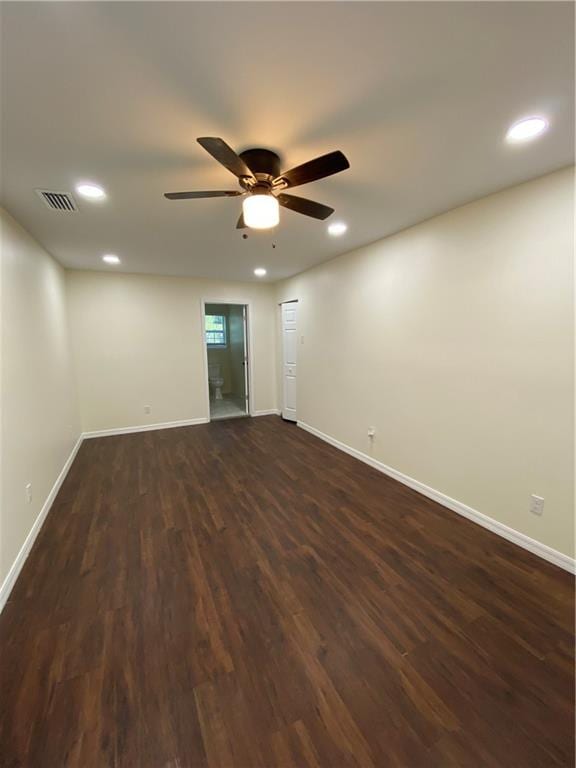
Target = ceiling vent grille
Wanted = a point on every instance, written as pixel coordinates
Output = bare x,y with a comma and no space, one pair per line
58,201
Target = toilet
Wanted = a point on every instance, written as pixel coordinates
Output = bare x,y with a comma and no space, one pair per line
215,380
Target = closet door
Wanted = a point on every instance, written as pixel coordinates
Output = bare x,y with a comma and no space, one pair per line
289,349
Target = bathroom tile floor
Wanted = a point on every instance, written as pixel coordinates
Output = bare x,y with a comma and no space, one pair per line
227,408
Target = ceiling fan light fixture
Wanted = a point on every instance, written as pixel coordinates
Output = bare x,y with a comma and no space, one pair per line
260,177
261,211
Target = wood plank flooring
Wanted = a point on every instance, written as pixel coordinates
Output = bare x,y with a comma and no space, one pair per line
242,595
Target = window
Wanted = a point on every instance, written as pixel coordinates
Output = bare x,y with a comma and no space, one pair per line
216,330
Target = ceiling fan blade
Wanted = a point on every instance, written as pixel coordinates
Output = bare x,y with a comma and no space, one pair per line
225,155
240,223
307,207
194,195
319,168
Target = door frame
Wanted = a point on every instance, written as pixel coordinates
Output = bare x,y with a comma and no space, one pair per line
248,350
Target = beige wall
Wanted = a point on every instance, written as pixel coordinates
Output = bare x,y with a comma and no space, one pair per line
40,424
138,341
455,340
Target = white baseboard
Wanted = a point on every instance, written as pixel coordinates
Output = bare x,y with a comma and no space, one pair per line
144,428
537,548
271,412
18,563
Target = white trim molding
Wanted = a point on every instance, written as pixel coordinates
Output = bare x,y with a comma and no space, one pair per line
270,412
144,428
18,563
536,547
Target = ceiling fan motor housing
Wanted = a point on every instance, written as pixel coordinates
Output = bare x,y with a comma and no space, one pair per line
262,162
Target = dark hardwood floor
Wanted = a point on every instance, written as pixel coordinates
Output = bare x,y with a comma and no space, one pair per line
241,594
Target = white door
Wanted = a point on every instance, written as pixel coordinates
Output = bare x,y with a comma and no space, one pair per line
289,350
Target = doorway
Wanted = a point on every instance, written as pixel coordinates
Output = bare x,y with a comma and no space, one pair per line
226,344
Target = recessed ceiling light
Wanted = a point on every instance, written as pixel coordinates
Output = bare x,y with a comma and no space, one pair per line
111,258
90,191
526,129
337,228
259,271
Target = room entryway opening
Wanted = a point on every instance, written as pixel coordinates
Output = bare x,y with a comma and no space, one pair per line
226,342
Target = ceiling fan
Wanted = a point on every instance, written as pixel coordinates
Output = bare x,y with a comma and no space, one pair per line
263,184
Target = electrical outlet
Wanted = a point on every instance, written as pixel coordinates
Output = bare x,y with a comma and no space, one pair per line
536,505
371,432
147,409
28,493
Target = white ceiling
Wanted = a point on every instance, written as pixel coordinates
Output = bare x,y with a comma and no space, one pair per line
417,95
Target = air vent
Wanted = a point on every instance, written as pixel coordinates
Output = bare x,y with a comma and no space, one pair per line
58,201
